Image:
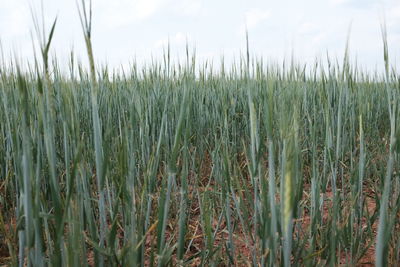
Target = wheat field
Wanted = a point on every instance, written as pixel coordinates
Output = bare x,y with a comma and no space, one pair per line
181,164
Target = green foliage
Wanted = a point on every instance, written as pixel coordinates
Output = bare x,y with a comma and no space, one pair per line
177,164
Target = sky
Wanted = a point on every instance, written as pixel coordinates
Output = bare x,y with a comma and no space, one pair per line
139,30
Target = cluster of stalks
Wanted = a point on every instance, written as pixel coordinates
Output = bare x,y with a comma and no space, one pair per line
179,164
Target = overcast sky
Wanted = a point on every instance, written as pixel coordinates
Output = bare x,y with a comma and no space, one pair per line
128,29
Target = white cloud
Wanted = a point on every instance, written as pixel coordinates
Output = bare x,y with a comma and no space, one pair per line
14,19
189,7
308,28
146,8
311,32
357,4
339,2
318,39
394,13
392,18
255,16
179,39
118,13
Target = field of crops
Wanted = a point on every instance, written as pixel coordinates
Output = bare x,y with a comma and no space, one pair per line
177,164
